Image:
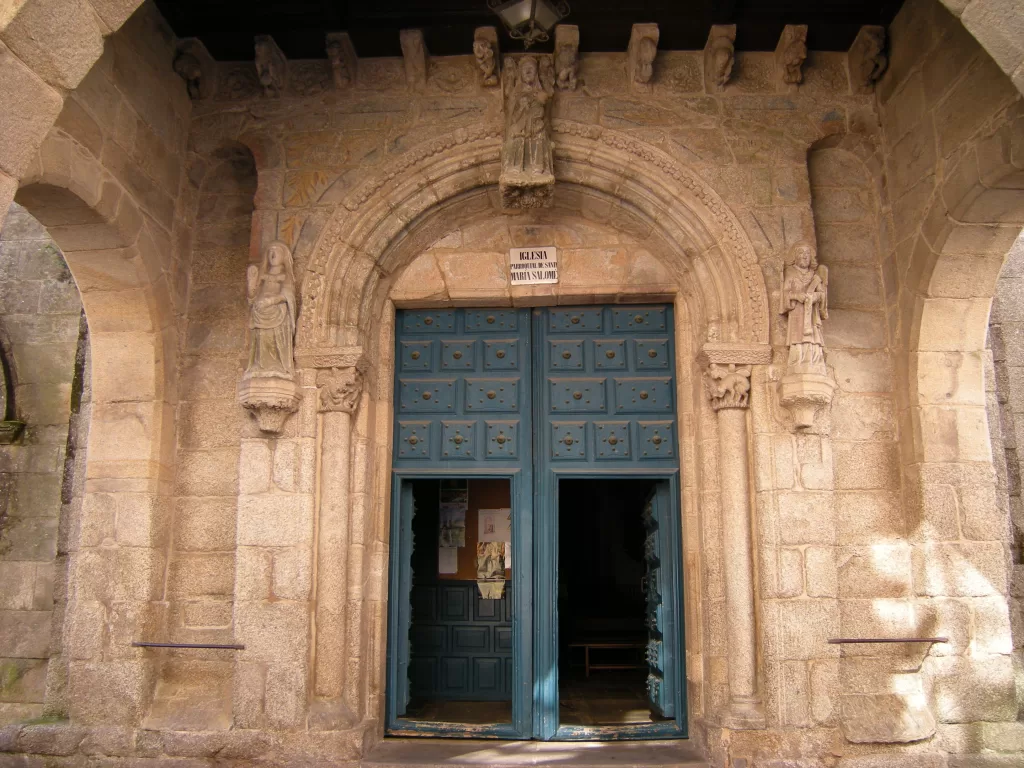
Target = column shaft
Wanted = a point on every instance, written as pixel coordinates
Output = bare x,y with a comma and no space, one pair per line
332,550
739,580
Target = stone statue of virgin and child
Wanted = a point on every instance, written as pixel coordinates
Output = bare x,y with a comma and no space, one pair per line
527,180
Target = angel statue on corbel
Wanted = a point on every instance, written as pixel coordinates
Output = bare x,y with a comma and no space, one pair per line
268,388
807,386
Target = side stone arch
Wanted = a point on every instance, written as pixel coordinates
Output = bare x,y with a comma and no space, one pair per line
117,554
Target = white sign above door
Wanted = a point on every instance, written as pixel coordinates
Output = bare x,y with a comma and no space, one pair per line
535,265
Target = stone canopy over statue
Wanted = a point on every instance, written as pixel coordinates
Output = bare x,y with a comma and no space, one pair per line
527,179
803,300
268,387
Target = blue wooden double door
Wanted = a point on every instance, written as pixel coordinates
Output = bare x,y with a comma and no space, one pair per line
524,399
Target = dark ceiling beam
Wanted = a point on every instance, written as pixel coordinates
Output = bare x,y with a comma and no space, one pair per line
227,27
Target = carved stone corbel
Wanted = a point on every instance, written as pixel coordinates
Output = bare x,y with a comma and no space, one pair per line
567,56
342,56
196,67
719,56
866,59
271,66
414,53
643,48
790,55
485,50
270,401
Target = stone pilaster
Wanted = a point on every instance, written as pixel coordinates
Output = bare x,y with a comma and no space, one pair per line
728,387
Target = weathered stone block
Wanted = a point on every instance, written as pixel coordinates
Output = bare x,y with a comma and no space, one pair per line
803,627
971,689
204,524
866,517
37,106
961,569
275,520
821,575
880,570
806,518
885,718
866,465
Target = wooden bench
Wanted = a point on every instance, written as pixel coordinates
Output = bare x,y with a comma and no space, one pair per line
608,644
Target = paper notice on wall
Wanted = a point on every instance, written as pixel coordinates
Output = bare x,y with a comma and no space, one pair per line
508,555
447,560
490,569
453,525
453,503
495,525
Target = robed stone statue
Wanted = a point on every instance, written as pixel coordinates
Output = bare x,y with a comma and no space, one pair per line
272,312
805,304
527,180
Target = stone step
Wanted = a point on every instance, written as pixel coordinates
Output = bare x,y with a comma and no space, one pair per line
457,753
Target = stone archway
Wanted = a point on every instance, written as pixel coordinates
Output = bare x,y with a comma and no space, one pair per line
116,564
707,266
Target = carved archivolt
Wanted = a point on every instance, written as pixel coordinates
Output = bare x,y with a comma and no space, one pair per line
375,213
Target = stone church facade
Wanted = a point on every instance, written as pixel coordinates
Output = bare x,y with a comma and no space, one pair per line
153,489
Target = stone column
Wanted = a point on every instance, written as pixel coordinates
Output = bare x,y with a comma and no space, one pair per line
340,389
729,391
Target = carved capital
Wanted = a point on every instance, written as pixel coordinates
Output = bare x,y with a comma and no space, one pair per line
728,386
340,389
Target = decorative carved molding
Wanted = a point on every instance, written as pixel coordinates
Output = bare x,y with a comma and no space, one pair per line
332,357
271,66
719,56
342,56
527,166
477,142
866,59
728,386
340,389
640,55
722,353
791,53
567,56
485,50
